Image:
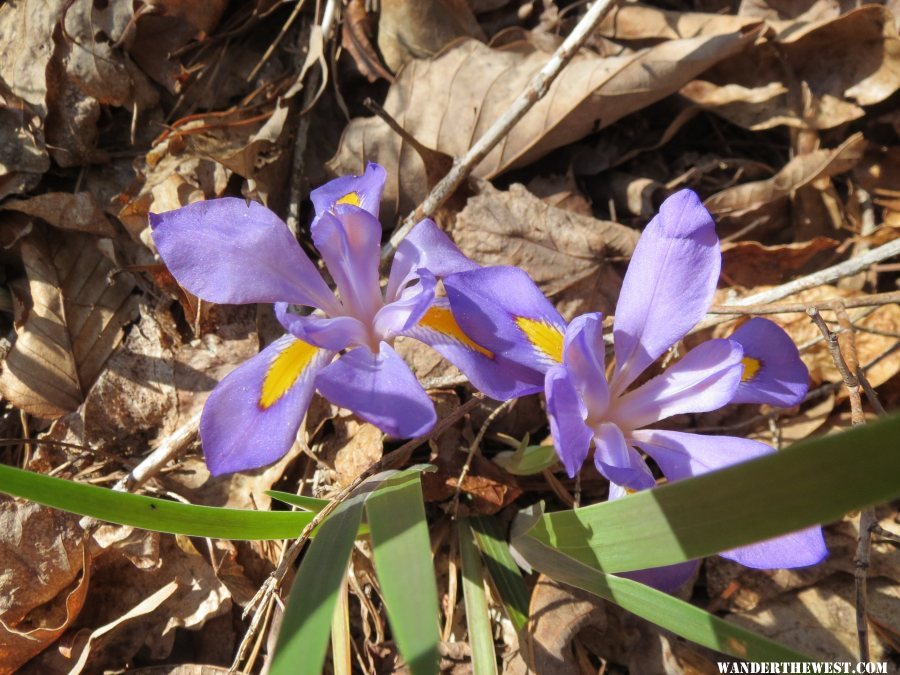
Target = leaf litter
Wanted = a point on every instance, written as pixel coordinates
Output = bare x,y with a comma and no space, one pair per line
782,116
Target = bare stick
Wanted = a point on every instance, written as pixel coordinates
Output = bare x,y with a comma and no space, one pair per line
534,92
874,300
827,275
153,463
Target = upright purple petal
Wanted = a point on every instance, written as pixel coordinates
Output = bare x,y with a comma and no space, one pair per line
427,247
703,380
332,333
797,549
668,287
381,389
490,373
228,251
503,310
584,356
349,241
407,309
362,191
566,412
618,461
773,371
251,418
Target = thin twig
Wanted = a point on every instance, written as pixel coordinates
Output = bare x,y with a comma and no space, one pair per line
873,300
394,458
278,38
536,89
153,463
479,437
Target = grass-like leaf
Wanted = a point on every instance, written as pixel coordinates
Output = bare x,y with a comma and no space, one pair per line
478,620
402,552
311,504
148,513
664,610
813,482
502,569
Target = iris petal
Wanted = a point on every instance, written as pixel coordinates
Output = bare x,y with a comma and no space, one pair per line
773,372
362,191
251,418
584,357
228,251
333,333
571,436
618,461
668,287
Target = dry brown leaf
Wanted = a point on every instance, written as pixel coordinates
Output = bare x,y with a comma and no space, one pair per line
750,264
447,103
74,323
356,38
77,211
358,445
565,253
419,30
640,22
23,155
800,171
845,62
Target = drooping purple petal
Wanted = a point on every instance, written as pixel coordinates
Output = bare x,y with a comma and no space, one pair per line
427,247
362,191
773,371
703,380
668,287
584,356
668,578
228,251
332,333
251,418
490,373
503,310
682,455
349,241
381,389
407,309
566,412
618,461
797,549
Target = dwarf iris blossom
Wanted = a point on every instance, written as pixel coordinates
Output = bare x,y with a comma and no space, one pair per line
666,291
229,251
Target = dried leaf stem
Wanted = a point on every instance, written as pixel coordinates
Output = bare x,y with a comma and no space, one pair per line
534,92
873,300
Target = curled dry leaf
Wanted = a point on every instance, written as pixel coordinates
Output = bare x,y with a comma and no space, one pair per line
801,171
77,311
843,63
751,264
567,254
77,211
448,103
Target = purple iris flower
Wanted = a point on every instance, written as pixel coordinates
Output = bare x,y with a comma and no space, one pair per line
667,290
229,251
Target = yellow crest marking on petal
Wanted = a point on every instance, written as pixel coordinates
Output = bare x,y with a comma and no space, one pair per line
751,368
351,198
545,337
284,371
441,319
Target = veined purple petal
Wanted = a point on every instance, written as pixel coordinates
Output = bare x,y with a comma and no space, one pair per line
406,310
349,241
362,191
668,287
503,310
490,373
618,461
773,372
668,578
332,333
584,356
566,412
381,389
228,251
797,549
251,418
703,380
426,246
682,455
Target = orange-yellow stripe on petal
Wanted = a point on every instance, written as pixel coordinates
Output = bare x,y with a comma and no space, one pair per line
284,371
751,368
441,319
545,337
351,198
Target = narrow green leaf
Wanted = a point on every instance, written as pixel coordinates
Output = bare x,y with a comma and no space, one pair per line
664,610
812,482
478,620
402,552
502,569
148,513
527,460
310,504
